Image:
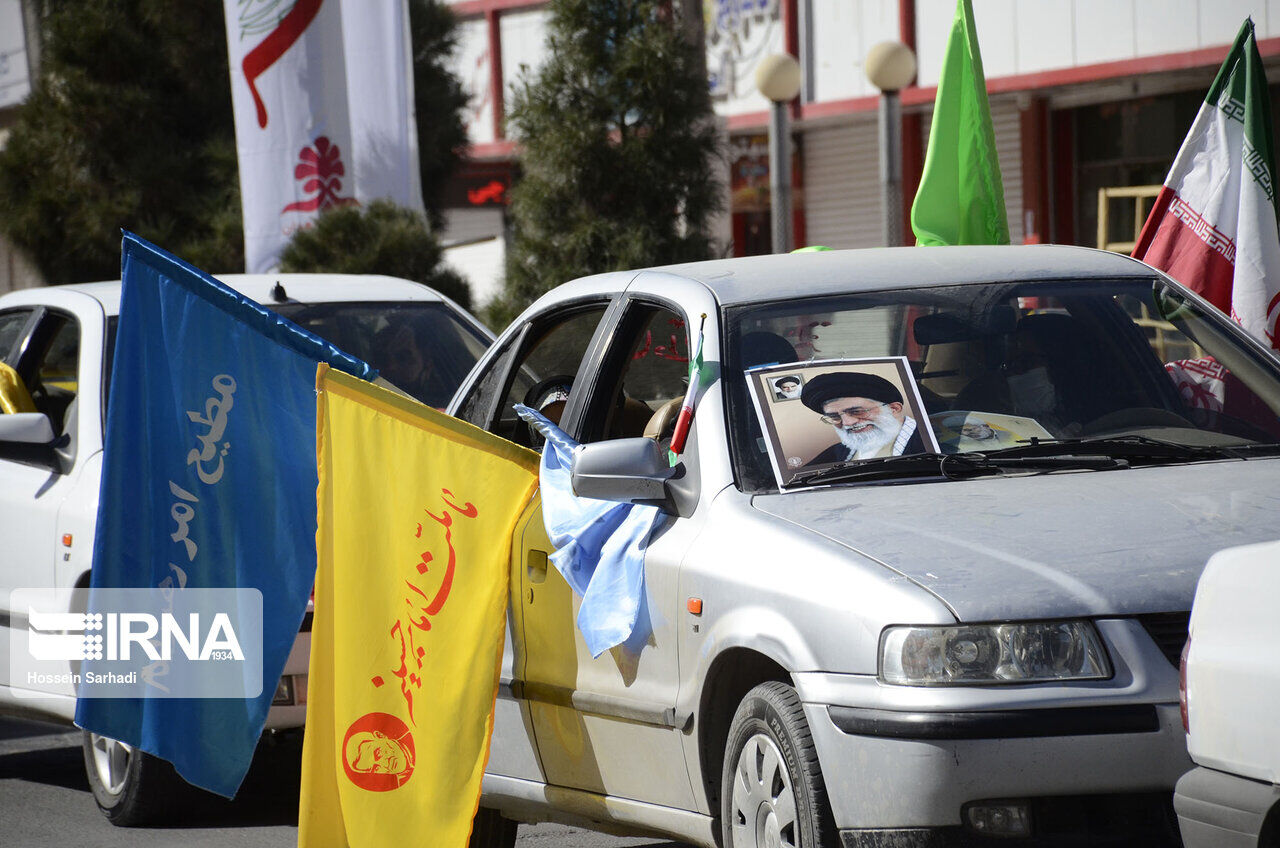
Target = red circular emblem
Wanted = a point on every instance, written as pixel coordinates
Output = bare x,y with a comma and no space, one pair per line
377,752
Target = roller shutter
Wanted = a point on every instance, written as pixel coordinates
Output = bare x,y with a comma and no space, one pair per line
842,185
1006,120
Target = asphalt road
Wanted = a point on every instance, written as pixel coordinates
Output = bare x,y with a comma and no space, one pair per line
45,803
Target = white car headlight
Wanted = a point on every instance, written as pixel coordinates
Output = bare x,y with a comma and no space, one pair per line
969,654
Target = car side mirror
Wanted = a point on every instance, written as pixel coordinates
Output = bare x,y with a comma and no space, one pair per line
626,470
29,437
26,428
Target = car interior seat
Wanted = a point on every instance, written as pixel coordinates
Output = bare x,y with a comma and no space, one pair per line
663,422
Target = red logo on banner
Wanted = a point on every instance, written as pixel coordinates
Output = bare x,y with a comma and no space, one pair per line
278,41
378,753
320,166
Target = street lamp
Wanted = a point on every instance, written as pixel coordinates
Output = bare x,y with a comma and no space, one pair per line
891,66
778,79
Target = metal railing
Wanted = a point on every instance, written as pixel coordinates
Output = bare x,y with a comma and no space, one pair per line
1139,196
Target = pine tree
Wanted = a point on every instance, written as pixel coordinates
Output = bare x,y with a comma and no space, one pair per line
381,238
617,143
438,100
129,126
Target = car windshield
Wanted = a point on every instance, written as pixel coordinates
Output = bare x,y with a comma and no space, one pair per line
969,372
424,349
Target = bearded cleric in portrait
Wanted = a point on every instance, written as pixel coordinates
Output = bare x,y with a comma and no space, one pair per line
867,414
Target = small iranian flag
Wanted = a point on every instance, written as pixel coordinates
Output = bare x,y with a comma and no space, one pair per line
685,420
1213,227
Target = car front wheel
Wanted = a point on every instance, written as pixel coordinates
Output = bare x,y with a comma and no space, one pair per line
131,787
772,793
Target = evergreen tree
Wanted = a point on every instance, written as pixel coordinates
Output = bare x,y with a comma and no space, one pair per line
129,125
438,100
617,137
381,238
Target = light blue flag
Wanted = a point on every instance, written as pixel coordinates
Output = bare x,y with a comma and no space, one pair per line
208,481
600,547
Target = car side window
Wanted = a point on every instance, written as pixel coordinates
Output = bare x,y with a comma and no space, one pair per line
11,327
644,379
53,377
478,403
546,370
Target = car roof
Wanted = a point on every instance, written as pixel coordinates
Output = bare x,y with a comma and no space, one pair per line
305,288
764,278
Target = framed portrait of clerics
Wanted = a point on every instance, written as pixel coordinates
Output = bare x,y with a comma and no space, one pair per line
787,387
848,410
965,431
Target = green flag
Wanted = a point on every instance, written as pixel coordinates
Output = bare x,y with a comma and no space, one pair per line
961,196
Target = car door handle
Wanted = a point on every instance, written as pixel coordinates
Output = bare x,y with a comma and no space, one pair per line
536,562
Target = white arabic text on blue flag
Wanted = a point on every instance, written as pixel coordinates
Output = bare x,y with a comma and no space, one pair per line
600,547
208,481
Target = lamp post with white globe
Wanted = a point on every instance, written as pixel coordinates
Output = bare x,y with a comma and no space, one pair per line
778,79
891,66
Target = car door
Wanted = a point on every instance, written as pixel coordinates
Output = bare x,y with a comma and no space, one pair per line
608,725
38,536
530,364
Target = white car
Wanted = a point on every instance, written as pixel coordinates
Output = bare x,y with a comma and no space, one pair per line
56,346
1231,685
968,644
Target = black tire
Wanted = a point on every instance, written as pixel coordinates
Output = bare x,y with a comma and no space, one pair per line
132,788
771,782
491,830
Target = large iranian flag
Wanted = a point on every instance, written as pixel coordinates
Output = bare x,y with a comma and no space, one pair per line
1213,227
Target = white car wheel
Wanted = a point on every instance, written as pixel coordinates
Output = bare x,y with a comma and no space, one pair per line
771,792
763,812
110,762
131,786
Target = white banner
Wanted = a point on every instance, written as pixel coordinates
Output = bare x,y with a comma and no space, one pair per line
379,60
323,107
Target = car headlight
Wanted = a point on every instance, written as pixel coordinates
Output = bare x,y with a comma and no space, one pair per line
969,654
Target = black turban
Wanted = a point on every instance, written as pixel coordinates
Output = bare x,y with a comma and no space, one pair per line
839,384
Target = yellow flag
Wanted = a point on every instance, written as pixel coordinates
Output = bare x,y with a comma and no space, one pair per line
415,514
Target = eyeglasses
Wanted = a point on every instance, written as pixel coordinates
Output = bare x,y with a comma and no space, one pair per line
852,412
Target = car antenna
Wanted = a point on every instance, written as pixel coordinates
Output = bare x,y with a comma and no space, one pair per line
278,294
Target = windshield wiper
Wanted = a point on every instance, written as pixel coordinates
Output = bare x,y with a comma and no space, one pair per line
953,466
1134,447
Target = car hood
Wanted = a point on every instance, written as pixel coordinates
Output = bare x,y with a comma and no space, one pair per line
1067,544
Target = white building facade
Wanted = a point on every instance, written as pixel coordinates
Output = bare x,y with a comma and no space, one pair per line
1085,95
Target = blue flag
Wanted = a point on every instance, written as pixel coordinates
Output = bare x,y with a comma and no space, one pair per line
600,546
208,481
